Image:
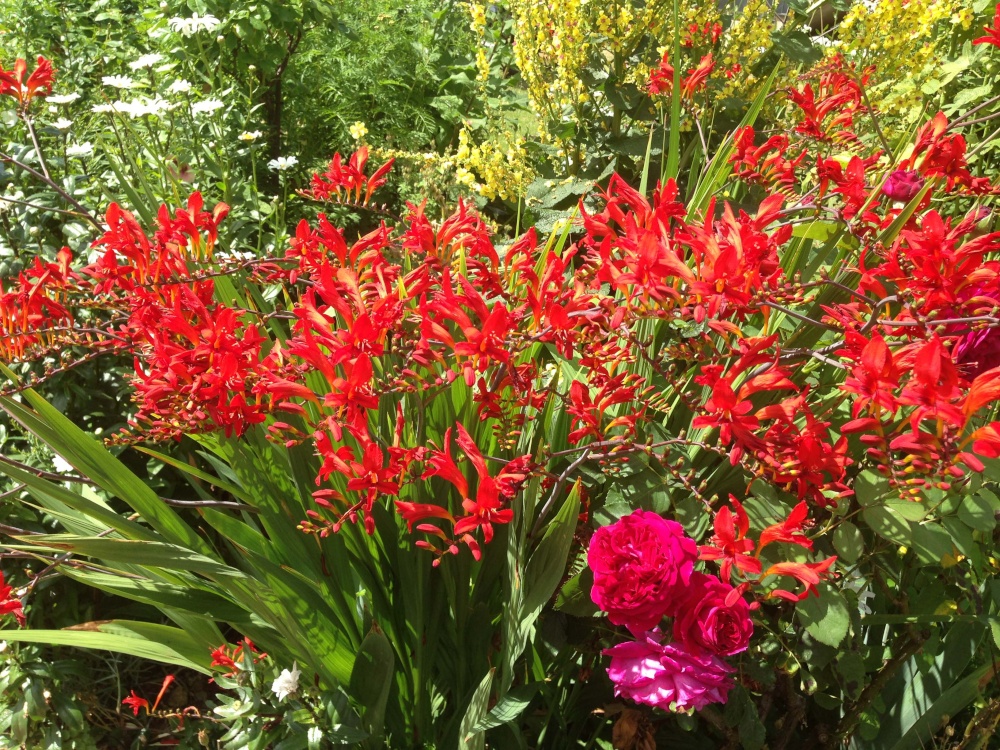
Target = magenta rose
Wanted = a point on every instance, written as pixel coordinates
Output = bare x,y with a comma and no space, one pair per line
641,565
902,185
668,676
706,622
979,351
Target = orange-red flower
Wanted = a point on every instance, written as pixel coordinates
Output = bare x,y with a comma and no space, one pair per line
39,83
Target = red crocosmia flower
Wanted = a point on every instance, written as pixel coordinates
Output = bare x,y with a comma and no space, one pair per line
712,619
808,574
10,604
39,83
992,32
765,164
229,656
800,456
642,563
661,80
492,492
135,703
348,182
788,530
730,544
936,153
731,410
875,377
934,386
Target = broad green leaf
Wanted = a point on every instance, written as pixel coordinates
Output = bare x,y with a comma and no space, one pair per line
889,525
192,471
508,709
933,544
173,645
819,230
548,562
160,594
870,488
849,542
851,668
136,552
827,617
574,597
371,679
911,510
468,737
979,511
53,496
93,461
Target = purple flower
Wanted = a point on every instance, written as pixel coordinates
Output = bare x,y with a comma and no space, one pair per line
641,564
903,185
668,676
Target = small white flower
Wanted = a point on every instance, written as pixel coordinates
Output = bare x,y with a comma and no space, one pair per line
207,107
118,82
62,124
62,465
282,163
146,61
103,109
144,106
194,24
248,136
80,149
63,98
180,86
287,682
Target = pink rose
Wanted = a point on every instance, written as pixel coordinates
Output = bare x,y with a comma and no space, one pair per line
902,185
668,676
641,565
705,621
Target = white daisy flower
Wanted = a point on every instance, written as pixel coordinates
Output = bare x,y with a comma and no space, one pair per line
118,82
194,24
282,163
146,61
80,150
144,106
180,86
63,98
247,136
207,107
62,124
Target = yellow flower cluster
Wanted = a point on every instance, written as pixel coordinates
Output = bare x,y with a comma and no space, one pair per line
551,46
496,168
964,18
477,13
746,41
898,37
